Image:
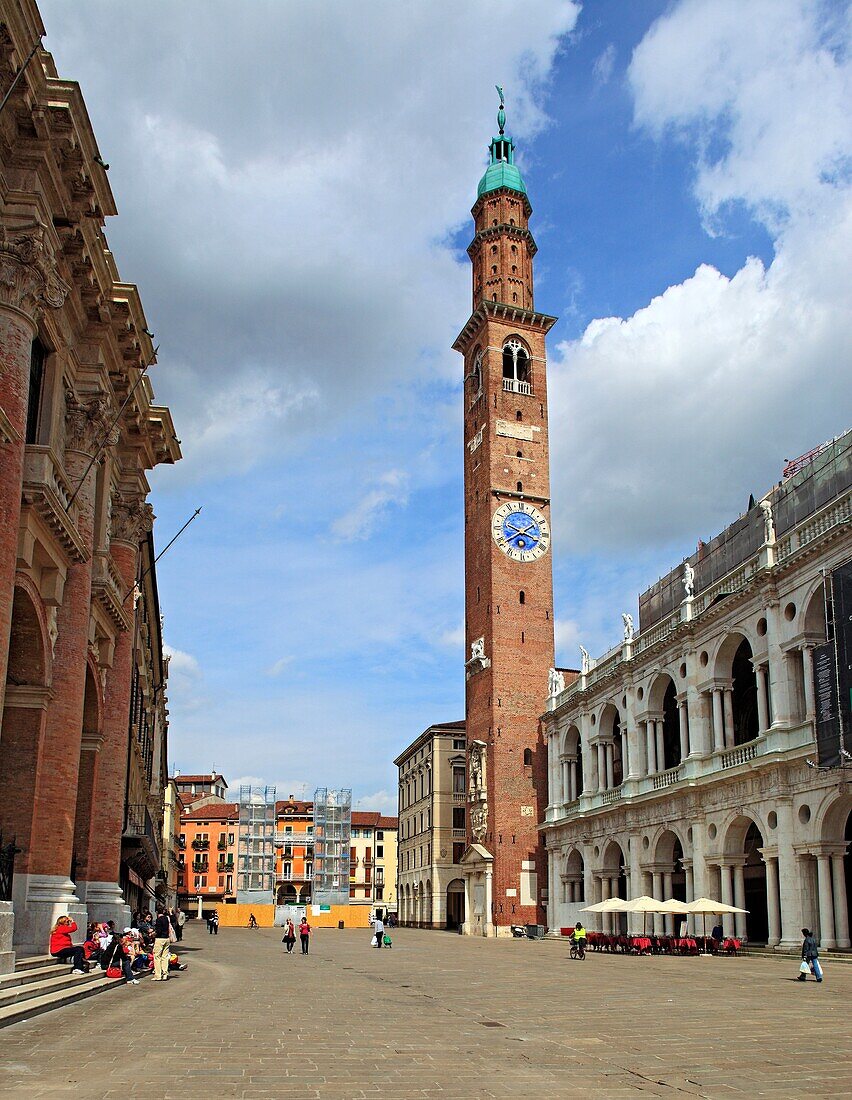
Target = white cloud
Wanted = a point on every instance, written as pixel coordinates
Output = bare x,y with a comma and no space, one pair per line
383,801
277,667
664,421
566,634
453,638
604,64
361,519
181,664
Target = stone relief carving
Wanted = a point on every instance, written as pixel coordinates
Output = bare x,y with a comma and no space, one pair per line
29,279
477,791
86,422
688,580
627,619
555,682
477,649
52,628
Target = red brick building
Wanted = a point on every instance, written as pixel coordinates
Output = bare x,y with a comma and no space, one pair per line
82,674
508,579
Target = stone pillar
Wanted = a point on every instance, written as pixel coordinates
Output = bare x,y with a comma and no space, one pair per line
552,925
488,928
625,755
808,674
50,891
826,906
727,877
684,728
841,911
739,899
690,894
130,519
773,906
609,749
779,672
573,780
28,283
564,795
718,721
636,754
728,697
789,878
661,752
601,754
762,699
604,888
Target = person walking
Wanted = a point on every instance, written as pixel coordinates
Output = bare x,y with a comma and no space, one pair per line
379,929
162,945
215,922
304,934
289,936
810,956
180,921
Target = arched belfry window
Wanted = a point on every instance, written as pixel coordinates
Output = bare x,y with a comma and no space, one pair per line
476,375
516,367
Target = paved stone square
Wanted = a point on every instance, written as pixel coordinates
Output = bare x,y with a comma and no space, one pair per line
444,1017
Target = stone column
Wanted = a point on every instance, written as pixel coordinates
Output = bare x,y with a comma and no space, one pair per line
739,898
650,748
808,674
841,911
728,697
667,895
28,283
573,779
552,924
609,749
661,752
718,721
601,754
762,699
727,876
657,893
690,894
789,878
605,894
684,728
488,923
625,755
773,906
50,891
636,754
826,907
779,672
561,792
131,519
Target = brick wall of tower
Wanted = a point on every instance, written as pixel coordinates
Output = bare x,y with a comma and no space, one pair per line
503,241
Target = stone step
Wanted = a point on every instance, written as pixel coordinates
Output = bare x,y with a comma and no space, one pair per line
15,994
44,1002
35,974
34,962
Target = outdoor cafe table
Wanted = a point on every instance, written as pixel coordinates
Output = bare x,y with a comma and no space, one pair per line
641,944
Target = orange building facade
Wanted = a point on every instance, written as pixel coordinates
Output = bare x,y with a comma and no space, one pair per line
207,860
294,851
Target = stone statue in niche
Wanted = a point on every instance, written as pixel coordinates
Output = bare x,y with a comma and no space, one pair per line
477,768
627,619
555,683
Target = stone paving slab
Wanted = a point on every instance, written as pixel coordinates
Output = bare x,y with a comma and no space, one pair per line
441,1017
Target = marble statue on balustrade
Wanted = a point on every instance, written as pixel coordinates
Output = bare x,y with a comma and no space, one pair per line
627,619
555,683
688,580
585,661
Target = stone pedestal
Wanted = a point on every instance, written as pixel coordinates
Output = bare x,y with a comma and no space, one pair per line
105,902
39,901
7,929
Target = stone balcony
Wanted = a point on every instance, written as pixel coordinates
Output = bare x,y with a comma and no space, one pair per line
696,770
49,493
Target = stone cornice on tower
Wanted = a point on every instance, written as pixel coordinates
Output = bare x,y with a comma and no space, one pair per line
491,232
501,311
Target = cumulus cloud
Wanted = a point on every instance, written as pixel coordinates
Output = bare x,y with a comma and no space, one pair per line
383,801
181,664
287,223
718,379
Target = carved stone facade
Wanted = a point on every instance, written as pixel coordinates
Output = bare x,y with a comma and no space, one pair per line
681,762
83,713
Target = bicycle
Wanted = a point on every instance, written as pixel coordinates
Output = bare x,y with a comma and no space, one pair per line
578,950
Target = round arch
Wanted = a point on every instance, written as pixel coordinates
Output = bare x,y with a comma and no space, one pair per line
610,728
455,904
744,838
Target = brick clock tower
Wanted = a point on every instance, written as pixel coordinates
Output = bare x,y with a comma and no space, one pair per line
508,576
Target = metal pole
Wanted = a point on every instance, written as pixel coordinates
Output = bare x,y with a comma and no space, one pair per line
165,548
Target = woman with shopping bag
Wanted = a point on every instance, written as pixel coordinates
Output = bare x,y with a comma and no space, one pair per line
810,957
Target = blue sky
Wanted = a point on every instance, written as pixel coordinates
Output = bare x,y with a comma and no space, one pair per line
294,186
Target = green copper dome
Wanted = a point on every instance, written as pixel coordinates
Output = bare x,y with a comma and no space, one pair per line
501,172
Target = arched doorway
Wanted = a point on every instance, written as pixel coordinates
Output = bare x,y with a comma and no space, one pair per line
671,728
24,716
614,884
669,878
455,904
610,727
744,695
748,872
287,894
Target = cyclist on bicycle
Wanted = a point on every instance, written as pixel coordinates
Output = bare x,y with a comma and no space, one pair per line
578,937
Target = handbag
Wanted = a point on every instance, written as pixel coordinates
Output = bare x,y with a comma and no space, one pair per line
804,968
114,972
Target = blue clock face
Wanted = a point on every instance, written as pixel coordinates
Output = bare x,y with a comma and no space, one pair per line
521,531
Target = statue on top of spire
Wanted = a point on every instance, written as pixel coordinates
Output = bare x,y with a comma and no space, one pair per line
501,114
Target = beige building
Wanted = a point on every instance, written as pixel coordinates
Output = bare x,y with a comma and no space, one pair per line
373,861
683,763
432,828
170,852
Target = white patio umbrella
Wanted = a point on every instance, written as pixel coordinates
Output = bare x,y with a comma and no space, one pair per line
609,906
644,904
708,905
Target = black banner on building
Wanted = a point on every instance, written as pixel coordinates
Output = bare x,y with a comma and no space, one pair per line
842,585
827,712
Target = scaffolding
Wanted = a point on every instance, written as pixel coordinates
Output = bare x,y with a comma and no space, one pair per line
256,846
332,836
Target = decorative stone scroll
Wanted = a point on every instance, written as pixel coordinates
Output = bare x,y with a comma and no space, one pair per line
29,279
86,423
